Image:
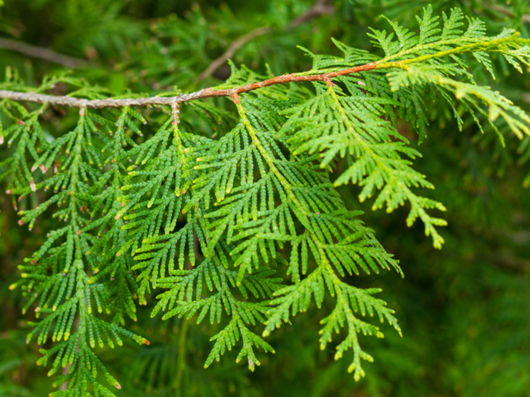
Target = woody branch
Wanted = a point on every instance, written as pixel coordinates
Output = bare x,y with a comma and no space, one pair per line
157,100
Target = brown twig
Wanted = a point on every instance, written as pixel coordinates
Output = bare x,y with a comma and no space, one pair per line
156,100
240,42
321,7
41,53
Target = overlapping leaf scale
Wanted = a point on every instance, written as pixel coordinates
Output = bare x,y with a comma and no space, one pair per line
335,124
372,86
251,206
156,190
210,290
443,48
352,304
26,133
233,174
438,56
156,257
311,196
435,35
327,241
104,235
340,245
474,98
56,277
230,335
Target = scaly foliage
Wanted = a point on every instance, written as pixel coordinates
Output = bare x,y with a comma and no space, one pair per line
244,227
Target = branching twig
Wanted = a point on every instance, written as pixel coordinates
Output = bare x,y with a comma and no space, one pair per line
41,53
232,50
212,92
157,100
321,7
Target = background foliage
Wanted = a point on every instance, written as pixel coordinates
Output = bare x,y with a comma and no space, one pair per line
464,310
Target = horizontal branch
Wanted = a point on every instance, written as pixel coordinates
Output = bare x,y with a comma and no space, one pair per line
97,103
157,100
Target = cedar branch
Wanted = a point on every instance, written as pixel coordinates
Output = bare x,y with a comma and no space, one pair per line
201,94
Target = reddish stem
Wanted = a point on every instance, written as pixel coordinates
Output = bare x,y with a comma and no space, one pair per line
156,100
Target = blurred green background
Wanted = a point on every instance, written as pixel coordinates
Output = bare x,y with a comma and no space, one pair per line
464,310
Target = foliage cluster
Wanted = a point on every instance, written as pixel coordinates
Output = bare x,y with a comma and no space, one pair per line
229,217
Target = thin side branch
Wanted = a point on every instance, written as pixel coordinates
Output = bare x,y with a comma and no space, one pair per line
318,9
237,44
156,100
41,53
